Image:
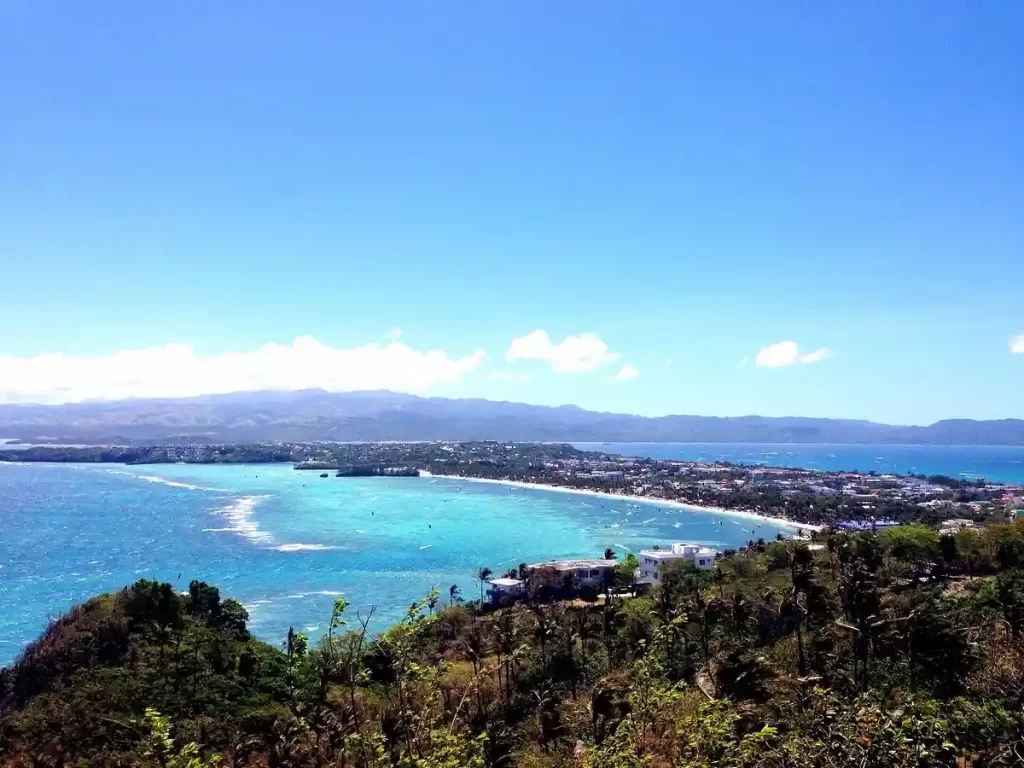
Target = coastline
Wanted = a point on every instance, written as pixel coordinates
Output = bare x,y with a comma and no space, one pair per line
809,527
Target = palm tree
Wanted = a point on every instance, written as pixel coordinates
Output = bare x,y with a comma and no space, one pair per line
609,553
506,635
584,629
484,575
545,629
739,613
453,594
718,576
801,566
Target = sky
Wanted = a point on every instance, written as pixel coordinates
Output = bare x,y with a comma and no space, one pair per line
776,208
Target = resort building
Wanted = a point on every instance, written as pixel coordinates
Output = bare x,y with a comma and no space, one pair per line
589,573
506,589
652,561
955,525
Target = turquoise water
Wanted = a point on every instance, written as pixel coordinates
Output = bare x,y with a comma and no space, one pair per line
1004,464
286,543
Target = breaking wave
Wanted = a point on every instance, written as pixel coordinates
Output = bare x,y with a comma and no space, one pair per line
162,481
304,547
239,514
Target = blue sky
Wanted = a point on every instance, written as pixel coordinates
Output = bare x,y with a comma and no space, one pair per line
689,183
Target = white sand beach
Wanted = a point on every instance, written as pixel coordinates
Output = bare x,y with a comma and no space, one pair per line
750,514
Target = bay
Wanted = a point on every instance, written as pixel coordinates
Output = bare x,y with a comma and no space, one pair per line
287,542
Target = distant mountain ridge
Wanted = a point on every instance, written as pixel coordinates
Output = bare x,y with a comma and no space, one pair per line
373,416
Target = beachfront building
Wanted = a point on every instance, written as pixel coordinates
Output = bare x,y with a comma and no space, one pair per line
871,524
652,561
955,525
589,573
506,588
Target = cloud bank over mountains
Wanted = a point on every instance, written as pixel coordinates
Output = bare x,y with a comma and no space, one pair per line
177,370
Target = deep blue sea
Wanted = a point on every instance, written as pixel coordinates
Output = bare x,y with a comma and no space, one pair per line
1004,464
286,542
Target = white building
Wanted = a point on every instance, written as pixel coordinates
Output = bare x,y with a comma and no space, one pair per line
612,476
652,561
955,525
505,588
590,573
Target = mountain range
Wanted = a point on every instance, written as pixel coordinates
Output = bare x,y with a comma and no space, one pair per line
315,415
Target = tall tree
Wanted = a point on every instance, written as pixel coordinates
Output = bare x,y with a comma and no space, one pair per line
483,575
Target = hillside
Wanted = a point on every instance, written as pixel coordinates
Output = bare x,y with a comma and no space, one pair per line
902,649
374,416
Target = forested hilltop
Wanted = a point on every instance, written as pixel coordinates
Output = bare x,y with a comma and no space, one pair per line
903,648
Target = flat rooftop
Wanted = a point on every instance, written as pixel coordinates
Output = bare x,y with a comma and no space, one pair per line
572,565
505,582
672,554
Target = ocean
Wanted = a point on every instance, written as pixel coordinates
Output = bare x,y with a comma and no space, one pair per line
1004,464
286,543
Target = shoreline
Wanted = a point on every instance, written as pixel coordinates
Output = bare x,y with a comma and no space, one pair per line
810,527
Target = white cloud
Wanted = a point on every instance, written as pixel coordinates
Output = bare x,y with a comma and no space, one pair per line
816,356
628,371
1017,345
176,370
572,354
788,353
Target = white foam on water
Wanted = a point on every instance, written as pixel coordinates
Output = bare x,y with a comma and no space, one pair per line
171,483
304,547
239,514
162,481
324,592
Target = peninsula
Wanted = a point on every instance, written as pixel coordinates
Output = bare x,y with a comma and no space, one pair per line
801,497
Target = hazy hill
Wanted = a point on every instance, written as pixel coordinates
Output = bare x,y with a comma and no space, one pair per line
318,415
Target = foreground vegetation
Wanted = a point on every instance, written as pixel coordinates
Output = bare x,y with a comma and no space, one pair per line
898,649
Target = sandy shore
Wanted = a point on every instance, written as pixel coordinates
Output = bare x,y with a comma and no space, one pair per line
750,515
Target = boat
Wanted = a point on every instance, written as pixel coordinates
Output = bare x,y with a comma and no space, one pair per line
323,474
